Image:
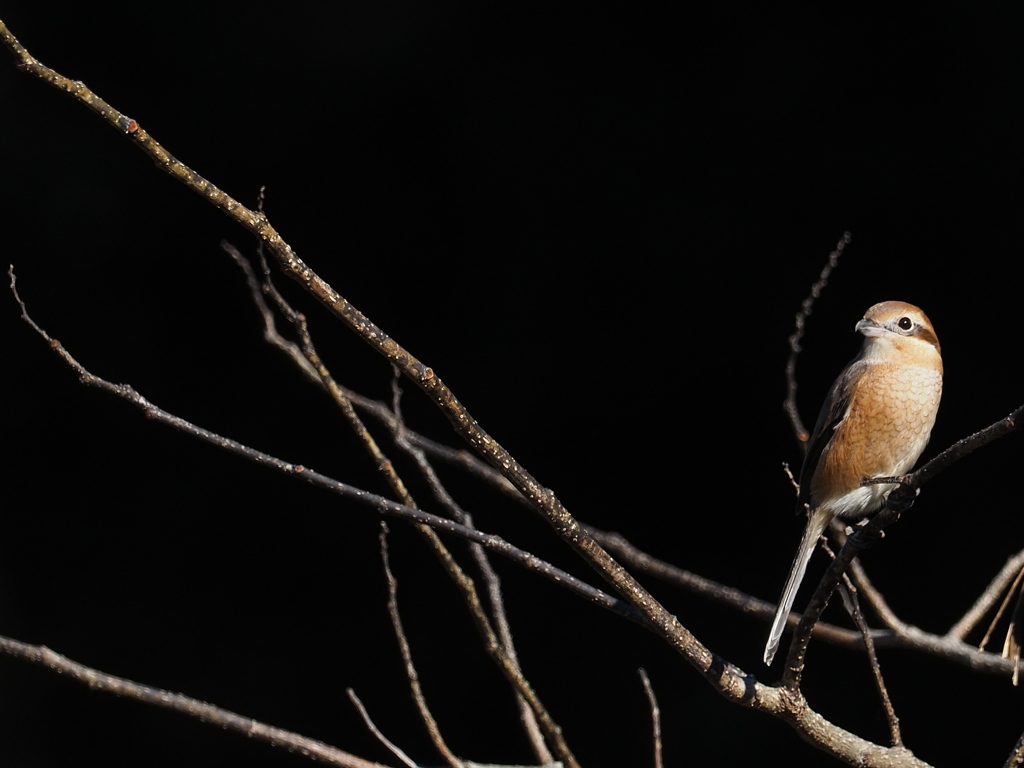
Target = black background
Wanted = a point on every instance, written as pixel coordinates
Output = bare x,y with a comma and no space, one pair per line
596,226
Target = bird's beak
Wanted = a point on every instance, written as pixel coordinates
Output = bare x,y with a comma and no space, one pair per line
869,328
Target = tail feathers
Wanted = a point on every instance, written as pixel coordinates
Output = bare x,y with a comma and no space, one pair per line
816,524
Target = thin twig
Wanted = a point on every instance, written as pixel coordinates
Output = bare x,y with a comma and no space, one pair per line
390,745
1012,643
851,601
1010,572
410,668
903,635
493,583
552,731
1000,611
270,333
792,479
655,716
849,593
962,448
379,410
806,307
207,713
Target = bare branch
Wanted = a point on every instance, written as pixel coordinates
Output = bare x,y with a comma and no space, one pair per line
789,404
508,667
904,635
380,411
998,586
849,594
208,713
390,745
270,333
1013,641
410,668
962,448
489,575
655,716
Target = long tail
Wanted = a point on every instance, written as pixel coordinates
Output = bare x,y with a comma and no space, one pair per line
816,523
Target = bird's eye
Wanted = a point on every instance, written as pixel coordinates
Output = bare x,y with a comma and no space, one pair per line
905,323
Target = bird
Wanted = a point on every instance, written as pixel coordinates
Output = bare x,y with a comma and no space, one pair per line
875,422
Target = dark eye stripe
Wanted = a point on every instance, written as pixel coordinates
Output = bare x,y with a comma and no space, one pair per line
927,334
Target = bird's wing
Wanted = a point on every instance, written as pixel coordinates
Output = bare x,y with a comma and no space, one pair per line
833,412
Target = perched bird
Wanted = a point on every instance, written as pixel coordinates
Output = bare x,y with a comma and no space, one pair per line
875,422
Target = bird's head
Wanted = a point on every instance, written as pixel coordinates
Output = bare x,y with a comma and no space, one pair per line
897,328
